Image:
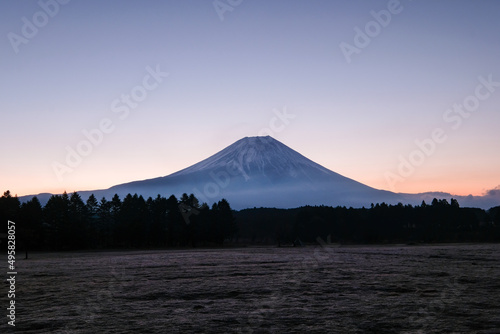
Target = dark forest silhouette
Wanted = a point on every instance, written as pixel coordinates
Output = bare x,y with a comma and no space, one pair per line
440,221
66,222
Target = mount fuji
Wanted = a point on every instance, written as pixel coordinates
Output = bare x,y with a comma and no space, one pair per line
259,172
263,172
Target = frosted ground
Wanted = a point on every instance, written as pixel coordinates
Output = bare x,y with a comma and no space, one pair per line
407,289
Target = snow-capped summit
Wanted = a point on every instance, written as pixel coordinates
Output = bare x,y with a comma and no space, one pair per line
256,156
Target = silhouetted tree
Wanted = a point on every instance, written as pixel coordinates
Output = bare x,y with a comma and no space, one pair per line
133,218
116,206
224,226
174,221
78,222
93,231
158,210
56,215
30,233
92,205
103,228
9,209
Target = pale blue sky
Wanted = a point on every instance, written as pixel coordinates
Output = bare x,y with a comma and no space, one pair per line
226,79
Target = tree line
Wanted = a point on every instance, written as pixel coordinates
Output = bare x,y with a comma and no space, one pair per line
439,221
66,222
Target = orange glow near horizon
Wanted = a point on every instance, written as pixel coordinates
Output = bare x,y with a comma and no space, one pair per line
104,171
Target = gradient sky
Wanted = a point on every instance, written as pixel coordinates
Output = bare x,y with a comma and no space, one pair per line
228,78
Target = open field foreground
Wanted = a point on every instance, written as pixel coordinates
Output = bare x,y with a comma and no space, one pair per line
407,289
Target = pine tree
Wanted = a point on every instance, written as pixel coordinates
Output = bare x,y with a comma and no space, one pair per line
223,221
104,223
79,236
56,215
31,232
